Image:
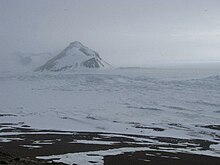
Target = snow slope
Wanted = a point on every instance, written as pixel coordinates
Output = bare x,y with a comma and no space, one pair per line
74,56
158,102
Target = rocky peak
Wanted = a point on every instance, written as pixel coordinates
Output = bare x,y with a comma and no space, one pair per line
75,55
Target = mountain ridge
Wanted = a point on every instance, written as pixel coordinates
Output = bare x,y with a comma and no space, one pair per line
74,56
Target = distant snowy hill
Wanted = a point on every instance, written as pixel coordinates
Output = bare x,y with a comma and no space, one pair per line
32,60
76,55
23,61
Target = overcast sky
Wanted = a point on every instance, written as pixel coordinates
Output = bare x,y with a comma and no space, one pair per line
122,31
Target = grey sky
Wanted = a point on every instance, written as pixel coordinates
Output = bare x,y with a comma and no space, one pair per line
122,31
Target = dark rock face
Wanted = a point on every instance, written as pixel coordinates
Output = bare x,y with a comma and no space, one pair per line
92,63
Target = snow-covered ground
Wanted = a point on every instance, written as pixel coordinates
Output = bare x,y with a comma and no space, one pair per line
166,102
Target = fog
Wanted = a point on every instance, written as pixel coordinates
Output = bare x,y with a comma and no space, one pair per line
150,95
125,32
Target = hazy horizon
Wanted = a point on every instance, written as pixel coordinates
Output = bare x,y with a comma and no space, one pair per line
123,32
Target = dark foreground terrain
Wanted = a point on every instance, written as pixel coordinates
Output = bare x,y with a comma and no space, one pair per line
137,158
7,159
22,146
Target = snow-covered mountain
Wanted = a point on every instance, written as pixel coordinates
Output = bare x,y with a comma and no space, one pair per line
76,55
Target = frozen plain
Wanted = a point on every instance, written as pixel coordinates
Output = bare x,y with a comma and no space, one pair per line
164,102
